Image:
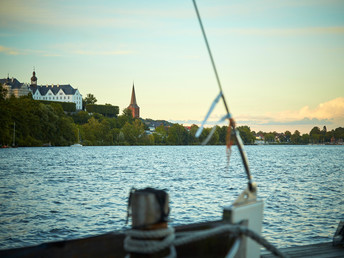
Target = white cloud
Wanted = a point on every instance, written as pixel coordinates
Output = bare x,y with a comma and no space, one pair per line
330,112
284,31
9,51
327,113
102,53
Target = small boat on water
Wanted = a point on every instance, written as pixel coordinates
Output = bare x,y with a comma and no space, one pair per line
78,144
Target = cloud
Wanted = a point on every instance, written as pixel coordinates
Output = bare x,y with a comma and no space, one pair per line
304,121
102,53
307,31
59,50
330,112
62,14
15,52
9,51
327,113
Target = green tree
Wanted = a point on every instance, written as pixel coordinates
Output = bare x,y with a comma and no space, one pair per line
126,116
214,140
133,133
339,133
315,135
3,92
222,134
296,137
89,99
305,138
287,136
92,132
81,117
269,137
6,121
160,135
177,135
246,134
192,133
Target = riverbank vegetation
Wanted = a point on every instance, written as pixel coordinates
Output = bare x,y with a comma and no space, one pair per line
28,122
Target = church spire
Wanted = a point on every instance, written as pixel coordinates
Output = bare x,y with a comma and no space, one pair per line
133,97
135,109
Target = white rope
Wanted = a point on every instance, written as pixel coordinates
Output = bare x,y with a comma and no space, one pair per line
235,247
141,245
171,239
157,233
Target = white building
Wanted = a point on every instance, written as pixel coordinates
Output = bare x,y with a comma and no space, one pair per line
14,87
61,93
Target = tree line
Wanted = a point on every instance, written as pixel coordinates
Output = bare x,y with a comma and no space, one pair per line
37,124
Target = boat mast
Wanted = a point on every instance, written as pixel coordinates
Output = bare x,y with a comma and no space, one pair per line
14,134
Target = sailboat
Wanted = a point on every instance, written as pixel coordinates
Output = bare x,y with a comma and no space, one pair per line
78,144
236,234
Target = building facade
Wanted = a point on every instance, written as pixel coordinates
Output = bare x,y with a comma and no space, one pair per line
135,109
61,93
14,87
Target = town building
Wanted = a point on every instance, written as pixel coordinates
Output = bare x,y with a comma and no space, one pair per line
61,93
135,109
14,87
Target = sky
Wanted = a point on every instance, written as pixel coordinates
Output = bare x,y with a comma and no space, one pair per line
280,63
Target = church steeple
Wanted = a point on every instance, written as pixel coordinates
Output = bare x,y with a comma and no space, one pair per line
135,109
133,97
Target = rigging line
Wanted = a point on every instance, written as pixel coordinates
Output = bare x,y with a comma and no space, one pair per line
236,134
210,55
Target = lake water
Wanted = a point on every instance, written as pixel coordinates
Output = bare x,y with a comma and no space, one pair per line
49,194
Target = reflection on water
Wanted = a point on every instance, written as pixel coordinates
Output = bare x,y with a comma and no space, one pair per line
49,194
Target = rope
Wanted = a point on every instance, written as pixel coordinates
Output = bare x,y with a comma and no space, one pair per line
136,242
171,239
232,252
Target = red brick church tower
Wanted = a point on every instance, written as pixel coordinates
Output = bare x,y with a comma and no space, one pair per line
135,109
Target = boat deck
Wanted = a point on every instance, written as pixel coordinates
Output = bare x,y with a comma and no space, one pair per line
316,251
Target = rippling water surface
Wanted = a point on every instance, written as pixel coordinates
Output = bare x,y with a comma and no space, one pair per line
49,194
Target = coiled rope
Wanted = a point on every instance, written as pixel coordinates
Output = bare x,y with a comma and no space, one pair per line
136,240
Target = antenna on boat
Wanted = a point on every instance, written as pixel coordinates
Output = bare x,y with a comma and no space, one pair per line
228,116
